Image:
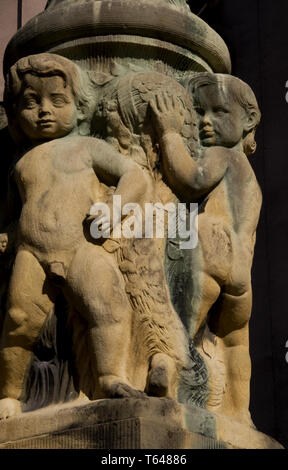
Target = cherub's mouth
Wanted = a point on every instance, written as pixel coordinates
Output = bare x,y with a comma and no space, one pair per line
206,133
45,121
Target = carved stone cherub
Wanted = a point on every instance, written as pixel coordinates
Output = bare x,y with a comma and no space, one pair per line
59,175
224,184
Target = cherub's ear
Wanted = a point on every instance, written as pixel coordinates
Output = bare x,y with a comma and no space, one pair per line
84,128
83,124
250,121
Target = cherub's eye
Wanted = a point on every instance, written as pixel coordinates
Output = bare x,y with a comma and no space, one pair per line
30,103
58,101
220,110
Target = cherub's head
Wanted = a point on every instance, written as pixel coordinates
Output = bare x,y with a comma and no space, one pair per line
227,109
129,118
46,98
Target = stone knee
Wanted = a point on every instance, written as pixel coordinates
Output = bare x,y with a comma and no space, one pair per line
233,312
207,291
21,328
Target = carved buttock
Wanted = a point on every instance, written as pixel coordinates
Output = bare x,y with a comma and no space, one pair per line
216,241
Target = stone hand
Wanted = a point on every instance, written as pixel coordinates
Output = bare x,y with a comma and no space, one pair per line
167,114
3,243
104,219
103,223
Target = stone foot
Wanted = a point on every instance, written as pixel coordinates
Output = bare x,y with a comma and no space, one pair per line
9,407
161,375
115,387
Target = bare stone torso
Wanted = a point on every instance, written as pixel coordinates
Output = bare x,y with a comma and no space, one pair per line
58,186
227,225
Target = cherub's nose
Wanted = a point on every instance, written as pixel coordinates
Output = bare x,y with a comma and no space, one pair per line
205,119
44,107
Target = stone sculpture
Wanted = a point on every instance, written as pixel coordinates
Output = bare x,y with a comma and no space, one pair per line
47,106
140,316
48,111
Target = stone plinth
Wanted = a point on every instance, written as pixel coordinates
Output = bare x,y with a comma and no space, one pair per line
152,423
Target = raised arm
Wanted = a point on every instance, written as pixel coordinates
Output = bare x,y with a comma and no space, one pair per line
189,179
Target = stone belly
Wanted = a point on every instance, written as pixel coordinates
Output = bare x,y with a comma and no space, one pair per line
57,229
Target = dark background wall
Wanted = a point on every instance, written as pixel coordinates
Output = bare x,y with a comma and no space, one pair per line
256,32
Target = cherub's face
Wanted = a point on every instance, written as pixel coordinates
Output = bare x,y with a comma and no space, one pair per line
221,119
46,108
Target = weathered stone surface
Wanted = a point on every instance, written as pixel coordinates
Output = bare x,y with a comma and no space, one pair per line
151,423
127,338
99,27
142,124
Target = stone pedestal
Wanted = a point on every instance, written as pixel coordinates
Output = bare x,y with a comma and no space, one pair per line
152,423
149,34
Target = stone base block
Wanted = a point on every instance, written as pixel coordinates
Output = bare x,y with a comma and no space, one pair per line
150,423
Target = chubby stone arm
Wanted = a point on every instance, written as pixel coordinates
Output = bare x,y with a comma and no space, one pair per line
187,177
114,169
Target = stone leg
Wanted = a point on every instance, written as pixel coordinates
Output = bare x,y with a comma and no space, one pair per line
205,294
30,299
97,291
228,318
232,327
